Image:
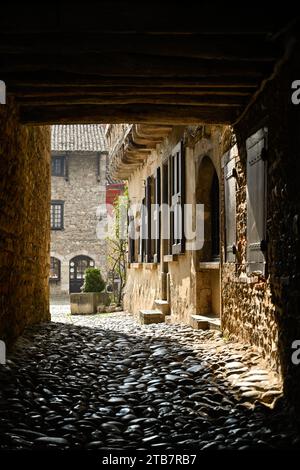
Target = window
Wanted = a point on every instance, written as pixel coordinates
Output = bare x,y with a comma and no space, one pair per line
256,202
228,163
171,222
176,185
58,166
215,216
150,236
143,233
157,216
57,215
54,269
131,242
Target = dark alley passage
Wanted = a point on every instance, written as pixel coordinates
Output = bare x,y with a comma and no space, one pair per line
149,162
116,385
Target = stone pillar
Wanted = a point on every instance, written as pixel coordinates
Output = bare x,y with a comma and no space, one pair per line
24,223
65,282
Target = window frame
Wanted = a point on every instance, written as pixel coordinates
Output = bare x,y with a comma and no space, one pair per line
176,188
55,279
61,205
62,160
230,203
256,253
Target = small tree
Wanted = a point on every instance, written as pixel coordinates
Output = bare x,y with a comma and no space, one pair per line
117,244
93,281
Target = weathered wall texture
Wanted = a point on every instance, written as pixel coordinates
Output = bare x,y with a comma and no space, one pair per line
192,290
142,288
274,109
248,310
84,196
24,223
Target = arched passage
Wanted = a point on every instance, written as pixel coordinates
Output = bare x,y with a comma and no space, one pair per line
208,300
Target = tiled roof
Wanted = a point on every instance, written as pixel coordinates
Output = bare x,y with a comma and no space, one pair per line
78,137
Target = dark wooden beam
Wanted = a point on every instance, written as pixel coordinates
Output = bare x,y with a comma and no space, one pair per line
154,16
172,99
131,65
198,46
176,115
65,79
119,91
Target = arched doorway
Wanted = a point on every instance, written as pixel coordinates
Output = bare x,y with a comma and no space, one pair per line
208,299
77,268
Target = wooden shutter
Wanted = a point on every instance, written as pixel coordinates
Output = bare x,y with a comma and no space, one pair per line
170,195
148,220
256,202
131,241
178,199
142,248
228,163
157,219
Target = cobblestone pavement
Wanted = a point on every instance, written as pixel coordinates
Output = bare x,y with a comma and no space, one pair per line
105,382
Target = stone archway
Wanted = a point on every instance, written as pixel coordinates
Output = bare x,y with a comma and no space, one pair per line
208,300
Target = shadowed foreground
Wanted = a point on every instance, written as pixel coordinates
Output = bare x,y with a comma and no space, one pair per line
115,385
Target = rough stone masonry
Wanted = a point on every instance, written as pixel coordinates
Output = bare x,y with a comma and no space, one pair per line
24,223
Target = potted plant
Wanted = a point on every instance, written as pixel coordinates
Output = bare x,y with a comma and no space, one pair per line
93,294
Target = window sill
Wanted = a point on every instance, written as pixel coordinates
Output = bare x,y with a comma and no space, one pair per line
249,279
150,265
170,258
208,265
135,265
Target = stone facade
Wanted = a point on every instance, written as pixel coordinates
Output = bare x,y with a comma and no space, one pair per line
189,281
24,223
277,304
83,192
257,309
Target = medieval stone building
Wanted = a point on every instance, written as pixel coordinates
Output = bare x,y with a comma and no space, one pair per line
78,197
164,72
215,275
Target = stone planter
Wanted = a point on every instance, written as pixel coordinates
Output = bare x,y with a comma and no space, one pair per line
86,303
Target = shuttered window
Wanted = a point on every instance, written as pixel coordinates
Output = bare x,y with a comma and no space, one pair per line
176,199
131,241
228,163
157,217
256,202
143,233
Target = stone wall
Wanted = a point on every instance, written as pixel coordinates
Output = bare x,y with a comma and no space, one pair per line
274,109
248,310
24,223
84,196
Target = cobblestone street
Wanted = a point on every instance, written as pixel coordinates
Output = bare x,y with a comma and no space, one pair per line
105,382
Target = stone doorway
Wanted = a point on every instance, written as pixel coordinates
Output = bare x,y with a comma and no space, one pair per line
77,267
208,299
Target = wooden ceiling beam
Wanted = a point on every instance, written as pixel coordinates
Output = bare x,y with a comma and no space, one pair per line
158,114
132,65
118,15
170,99
198,46
52,79
117,91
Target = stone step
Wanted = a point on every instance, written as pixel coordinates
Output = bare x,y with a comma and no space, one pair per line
199,322
202,322
163,306
215,324
151,316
